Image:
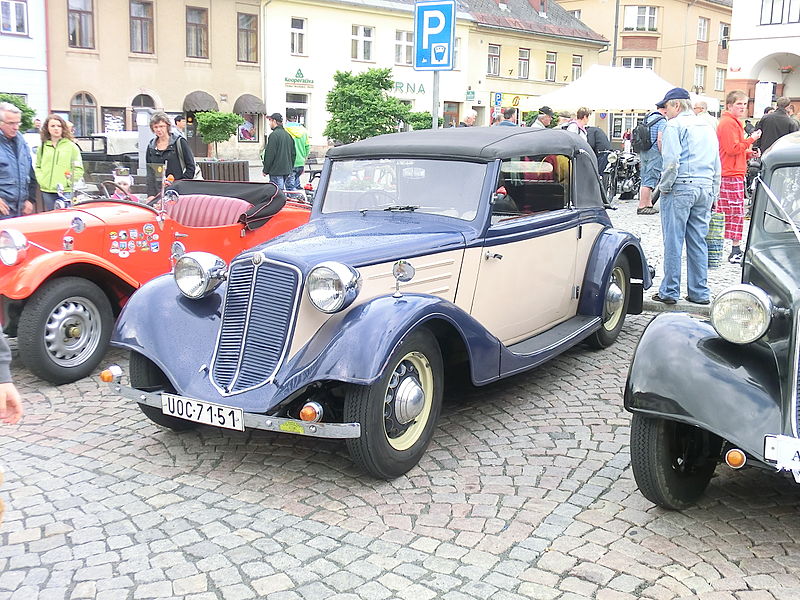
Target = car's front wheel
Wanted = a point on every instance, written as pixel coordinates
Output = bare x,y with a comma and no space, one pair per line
672,462
64,329
615,304
146,376
398,412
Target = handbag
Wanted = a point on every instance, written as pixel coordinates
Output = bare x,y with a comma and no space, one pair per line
714,237
198,174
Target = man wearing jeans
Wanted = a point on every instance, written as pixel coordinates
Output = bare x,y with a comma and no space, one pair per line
689,183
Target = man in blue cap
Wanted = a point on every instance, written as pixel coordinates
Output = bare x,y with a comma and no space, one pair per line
689,184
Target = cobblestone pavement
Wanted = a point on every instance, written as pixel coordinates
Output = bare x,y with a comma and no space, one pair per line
525,492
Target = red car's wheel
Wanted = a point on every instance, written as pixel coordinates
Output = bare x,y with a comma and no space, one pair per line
64,329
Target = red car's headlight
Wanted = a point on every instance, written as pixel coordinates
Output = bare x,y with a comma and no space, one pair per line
13,247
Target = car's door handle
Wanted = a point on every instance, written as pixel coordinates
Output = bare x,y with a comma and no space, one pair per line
178,234
493,255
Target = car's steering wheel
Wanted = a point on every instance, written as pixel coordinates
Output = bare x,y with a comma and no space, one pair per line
372,199
104,184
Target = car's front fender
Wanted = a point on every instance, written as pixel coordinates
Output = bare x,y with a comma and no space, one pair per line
356,345
682,370
608,246
23,280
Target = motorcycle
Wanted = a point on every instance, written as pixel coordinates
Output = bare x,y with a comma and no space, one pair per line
622,175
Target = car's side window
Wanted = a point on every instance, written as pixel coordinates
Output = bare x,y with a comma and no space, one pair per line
532,184
785,185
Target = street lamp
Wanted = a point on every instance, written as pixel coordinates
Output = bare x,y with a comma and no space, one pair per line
698,89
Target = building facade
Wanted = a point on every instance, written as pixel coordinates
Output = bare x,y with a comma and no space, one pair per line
683,41
765,52
23,52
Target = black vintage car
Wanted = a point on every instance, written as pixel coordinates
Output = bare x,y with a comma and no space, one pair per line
725,389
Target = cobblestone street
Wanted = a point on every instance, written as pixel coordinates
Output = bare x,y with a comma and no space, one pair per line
525,492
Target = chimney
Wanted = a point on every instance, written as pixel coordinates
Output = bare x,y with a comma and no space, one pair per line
539,6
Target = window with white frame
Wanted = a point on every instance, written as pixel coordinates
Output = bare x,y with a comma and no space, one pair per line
523,63
702,29
575,13
638,62
247,37
14,17
620,123
456,52
725,31
719,80
794,11
403,47
297,45
550,66
771,12
361,43
640,18
700,76
577,66
493,65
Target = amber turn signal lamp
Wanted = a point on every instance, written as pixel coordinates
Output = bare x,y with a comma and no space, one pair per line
110,374
311,412
735,458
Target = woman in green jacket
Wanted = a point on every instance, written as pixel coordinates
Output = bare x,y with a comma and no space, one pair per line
58,161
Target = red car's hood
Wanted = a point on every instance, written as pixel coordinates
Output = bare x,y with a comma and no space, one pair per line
93,215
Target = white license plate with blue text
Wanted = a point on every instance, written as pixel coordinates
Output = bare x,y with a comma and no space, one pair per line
208,413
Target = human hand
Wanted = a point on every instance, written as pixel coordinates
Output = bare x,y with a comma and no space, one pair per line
10,404
756,134
4,210
28,208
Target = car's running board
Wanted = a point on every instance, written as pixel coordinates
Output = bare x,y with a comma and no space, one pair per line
567,334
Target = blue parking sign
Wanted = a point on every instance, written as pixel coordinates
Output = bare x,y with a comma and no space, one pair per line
434,35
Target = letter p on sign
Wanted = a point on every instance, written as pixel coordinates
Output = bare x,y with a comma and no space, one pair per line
434,35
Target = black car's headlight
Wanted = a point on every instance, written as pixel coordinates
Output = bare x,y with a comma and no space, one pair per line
742,313
332,286
197,274
13,247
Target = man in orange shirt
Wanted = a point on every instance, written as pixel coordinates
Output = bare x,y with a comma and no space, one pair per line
734,148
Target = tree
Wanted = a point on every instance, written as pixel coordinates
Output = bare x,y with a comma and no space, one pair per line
361,107
217,126
27,112
421,120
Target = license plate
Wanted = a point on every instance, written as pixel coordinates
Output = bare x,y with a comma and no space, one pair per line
208,413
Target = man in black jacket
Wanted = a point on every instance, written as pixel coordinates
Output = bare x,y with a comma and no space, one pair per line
776,124
279,154
601,145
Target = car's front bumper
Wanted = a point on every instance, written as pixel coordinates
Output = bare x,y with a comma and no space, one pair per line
256,421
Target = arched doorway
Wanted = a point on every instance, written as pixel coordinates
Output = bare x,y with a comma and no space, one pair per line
775,75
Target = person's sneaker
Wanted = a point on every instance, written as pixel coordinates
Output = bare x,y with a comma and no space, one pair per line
736,256
647,210
663,300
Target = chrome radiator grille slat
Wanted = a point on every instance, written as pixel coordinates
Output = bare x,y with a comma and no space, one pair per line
259,311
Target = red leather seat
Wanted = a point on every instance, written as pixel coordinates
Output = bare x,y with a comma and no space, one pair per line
204,210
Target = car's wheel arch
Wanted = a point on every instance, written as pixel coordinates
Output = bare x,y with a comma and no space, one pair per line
116,289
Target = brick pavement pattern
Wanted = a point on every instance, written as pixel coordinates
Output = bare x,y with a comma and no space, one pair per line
525,492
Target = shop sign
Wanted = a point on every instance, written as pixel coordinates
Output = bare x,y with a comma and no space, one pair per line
298,80
470,96
405,87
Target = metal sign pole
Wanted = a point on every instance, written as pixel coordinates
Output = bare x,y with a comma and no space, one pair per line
435,108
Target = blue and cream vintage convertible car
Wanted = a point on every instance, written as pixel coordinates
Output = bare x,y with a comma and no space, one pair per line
725,389
477,250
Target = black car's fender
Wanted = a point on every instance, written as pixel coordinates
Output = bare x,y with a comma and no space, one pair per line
608,246
684,371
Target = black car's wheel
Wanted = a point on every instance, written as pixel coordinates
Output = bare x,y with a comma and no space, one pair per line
615,305
64,329
672,462
146,376
397,413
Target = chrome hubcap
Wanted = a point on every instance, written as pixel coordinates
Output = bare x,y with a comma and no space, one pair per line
72,332
615,299
408,400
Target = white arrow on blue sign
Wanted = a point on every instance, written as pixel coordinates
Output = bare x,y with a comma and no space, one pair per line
434,35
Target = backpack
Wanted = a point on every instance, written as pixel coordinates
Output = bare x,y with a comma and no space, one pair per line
640,140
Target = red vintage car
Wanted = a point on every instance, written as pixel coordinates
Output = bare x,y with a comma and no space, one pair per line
65,274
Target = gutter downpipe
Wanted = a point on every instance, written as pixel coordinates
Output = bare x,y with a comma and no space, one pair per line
616,35
47,56
685,43
264,63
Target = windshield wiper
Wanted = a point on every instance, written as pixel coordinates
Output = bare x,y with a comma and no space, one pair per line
404,208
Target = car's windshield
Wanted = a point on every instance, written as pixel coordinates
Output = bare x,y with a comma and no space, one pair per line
782,213
442,187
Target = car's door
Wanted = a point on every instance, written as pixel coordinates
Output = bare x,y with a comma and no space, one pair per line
525,282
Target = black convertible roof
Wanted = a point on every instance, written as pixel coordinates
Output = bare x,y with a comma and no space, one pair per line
483,144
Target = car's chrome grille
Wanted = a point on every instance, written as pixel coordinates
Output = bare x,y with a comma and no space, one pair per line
259,311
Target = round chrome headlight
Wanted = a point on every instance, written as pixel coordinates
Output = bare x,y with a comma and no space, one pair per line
742,313
197,274
13,247
332,286
612,157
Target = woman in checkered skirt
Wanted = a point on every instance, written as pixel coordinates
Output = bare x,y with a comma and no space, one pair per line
734,149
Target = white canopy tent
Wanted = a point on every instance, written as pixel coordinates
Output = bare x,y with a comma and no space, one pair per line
613,89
